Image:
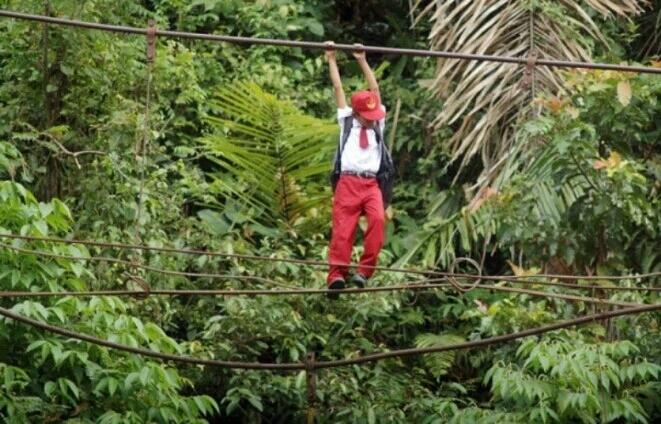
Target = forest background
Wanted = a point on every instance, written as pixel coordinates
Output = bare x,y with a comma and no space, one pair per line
558,176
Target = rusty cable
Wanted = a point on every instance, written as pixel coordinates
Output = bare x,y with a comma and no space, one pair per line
135,264
324,46
507,278
326,364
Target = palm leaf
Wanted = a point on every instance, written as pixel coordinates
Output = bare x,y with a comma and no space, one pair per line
483,100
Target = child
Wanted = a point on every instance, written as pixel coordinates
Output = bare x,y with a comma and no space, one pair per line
361,178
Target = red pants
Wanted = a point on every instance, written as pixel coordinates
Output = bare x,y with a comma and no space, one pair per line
355,196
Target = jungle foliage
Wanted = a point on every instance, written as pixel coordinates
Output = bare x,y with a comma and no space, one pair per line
241,140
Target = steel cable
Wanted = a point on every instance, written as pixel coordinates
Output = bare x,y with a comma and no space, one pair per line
325,364
323,46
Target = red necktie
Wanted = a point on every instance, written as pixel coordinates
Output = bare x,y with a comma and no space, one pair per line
363,138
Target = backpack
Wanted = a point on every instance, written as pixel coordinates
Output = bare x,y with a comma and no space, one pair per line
386,174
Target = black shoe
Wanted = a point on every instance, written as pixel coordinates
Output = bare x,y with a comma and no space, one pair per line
359,280
333,287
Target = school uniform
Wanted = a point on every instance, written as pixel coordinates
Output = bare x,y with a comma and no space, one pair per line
361,164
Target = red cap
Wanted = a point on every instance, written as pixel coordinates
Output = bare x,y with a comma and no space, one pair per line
367,105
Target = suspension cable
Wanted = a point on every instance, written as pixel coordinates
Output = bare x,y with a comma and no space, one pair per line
315,263
326,364
138,264
412,286
323,46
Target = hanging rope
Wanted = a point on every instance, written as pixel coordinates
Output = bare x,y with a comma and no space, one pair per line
142,152
532,55
453,280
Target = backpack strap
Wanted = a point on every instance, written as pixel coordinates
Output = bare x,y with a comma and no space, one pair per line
337,160
377,132
346,130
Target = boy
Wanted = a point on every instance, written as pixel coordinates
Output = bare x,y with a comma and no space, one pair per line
361,178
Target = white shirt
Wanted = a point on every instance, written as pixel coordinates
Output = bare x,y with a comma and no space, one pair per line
354,158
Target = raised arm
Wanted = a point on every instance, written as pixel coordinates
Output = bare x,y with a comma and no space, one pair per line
367,71
335,77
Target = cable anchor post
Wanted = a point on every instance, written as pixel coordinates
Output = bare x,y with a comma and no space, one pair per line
311,379
151,41
529,71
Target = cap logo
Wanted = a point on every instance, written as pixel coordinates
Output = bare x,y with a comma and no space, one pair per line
370,103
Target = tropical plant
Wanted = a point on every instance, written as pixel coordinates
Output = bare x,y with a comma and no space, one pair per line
85,90
569,379
49,379
272,156
649,42
581,192
484,100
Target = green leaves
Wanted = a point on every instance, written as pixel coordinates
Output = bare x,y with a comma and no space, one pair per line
206,405
272,156
574,380
439,363
484,101
10,160
13,378
235,396
86,378
213,221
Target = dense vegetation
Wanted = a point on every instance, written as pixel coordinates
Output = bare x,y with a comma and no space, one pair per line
240,142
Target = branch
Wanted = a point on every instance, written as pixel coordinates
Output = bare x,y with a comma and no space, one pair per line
68,152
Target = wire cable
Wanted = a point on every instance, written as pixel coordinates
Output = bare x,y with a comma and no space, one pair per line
323,46
325,364
133,264
509,278
305,291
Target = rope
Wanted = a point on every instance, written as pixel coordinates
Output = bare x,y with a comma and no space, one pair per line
531,44
453,281
532,58
413,286
297,291
323,46
449,277
144,142
134,264
508,278
325,364
227,292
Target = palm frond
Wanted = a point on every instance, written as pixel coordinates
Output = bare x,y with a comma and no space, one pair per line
454,225
483,100
271,149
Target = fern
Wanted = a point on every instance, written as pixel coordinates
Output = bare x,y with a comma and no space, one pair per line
438,363
270,154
